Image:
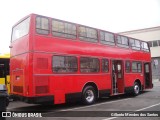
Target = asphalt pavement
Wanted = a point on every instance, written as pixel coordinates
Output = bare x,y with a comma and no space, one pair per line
122,107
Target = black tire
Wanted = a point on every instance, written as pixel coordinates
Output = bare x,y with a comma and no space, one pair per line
7,101
136,89
3,104
89,95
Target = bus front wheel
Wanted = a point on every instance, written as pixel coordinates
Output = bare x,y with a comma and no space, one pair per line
89,95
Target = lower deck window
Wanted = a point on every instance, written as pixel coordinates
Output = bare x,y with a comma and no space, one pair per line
136,67
89,64
64,64
127,66
105,65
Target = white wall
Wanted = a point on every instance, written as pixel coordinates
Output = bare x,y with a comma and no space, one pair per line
155,51
149,34
146,36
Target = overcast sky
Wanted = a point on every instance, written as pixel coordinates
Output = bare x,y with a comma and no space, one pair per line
110,15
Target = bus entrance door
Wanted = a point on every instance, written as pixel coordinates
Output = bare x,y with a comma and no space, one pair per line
147,75
117,77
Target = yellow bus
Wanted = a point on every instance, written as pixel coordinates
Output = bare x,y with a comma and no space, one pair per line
4,70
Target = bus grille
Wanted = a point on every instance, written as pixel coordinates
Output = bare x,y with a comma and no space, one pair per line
41,84
18,89
41,89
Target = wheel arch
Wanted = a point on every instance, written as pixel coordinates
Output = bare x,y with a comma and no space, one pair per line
91,83
139,82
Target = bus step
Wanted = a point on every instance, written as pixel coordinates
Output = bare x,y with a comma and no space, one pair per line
115,90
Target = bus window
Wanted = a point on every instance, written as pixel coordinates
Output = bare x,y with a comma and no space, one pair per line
105,65
2,68
89,64
135,44
107,38
42,25
63,29
88,34
21,29
127,66
144,46
122,41
64,64
136,67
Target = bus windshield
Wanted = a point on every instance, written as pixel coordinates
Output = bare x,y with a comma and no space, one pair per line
21,29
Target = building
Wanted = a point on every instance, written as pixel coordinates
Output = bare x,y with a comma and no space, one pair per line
152,36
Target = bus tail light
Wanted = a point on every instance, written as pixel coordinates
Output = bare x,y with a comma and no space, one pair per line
17,77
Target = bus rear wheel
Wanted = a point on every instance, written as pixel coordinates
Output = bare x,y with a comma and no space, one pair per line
136,89
89,95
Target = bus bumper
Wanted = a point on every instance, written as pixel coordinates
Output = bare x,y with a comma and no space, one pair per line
35,100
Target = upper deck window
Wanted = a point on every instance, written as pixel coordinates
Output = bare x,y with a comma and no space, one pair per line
63,29
107,38
88,34
144,46
21,29
42,25
135,44
122,41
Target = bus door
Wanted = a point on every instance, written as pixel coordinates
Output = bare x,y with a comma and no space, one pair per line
117,77
147,75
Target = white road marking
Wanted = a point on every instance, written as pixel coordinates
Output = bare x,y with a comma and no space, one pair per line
89,105
134,111
95,104
83,106
148,107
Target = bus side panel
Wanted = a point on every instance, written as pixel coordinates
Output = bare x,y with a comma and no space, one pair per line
60,84
130,78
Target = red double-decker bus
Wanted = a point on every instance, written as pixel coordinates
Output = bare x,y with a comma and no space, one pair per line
57,61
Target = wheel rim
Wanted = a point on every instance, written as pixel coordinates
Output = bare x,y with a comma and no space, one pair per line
136,89
89,96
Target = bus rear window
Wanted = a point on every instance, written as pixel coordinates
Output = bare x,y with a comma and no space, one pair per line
21,29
